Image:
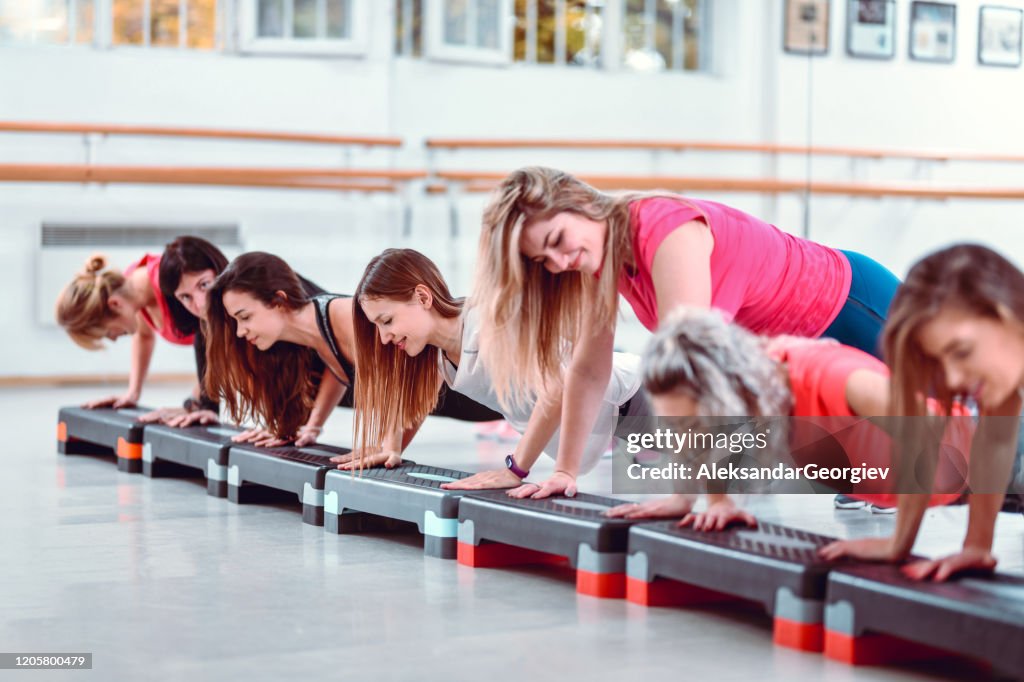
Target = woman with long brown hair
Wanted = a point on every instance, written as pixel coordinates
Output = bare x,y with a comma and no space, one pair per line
556,253
956,329
413,336
264,339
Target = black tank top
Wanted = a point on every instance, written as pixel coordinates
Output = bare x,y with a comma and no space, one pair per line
323,322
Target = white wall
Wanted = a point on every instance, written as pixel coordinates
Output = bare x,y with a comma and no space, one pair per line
753,92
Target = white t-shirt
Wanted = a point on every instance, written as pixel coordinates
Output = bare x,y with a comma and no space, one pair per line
472,380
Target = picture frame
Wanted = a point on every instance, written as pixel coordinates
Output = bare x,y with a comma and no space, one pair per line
871,29
932,32
806,27
999,35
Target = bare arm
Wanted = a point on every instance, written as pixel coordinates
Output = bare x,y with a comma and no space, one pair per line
682,268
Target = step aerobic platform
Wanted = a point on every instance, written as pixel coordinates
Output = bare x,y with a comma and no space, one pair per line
103,430
774,565
875,615
199,447
409,492
497,530
297,470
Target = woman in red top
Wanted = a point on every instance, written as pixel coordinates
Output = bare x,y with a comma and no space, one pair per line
102,302
555,254
698,365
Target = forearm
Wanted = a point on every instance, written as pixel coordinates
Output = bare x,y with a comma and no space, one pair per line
584,392
327,398
142,353
910,512
542,425
981,520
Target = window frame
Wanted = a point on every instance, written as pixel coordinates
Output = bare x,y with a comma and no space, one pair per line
435,47
249,41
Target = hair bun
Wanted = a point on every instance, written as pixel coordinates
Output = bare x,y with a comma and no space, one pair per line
95,264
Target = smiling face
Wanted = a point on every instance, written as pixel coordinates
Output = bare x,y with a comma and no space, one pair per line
982,357
565,242
407,324
258,323
191,291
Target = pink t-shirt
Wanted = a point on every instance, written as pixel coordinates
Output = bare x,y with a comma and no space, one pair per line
168,330
764,279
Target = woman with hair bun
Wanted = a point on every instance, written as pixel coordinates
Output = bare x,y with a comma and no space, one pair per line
104,303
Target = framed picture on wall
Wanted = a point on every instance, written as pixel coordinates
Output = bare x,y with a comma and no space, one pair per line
806,27
932,31
871,28
999,35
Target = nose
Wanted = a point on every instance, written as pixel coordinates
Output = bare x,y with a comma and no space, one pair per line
239,332
386,337
954,378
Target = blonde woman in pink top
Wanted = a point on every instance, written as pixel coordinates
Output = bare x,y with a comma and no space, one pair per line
555,254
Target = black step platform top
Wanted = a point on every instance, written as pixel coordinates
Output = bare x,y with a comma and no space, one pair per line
286,468
522,522
995,597
412,474
103,425
975,615
191,445
747,562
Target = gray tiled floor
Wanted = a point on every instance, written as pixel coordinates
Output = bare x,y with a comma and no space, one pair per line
160,581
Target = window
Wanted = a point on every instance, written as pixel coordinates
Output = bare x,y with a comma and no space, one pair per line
304,26
663,35
559,32
151,23
469,30
164,23
409,28
47,22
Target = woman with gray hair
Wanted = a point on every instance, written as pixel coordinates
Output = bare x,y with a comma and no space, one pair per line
699,365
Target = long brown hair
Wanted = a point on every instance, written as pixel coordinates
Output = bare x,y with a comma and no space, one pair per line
528,314
404,389
968,276
272,387
83,308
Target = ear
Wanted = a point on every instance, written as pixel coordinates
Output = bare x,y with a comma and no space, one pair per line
280,297
422,295
116,303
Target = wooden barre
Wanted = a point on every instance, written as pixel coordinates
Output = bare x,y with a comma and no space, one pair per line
693,145
101,173
217,133
302,178
487,181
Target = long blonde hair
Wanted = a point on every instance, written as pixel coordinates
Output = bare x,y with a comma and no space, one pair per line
395,390
968,276
529,315
82,306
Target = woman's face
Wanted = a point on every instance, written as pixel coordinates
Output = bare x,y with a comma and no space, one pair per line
565,242
259,324
407,324
191,291
982,357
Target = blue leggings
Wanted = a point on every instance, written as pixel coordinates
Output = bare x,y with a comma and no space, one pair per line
859,323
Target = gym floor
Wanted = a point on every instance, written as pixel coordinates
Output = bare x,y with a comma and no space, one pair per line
157,579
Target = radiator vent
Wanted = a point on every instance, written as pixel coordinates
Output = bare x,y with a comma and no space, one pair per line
68,235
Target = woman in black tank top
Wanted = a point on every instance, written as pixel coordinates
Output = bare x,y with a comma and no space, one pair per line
260,325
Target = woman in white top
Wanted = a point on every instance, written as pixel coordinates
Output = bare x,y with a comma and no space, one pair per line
412,335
